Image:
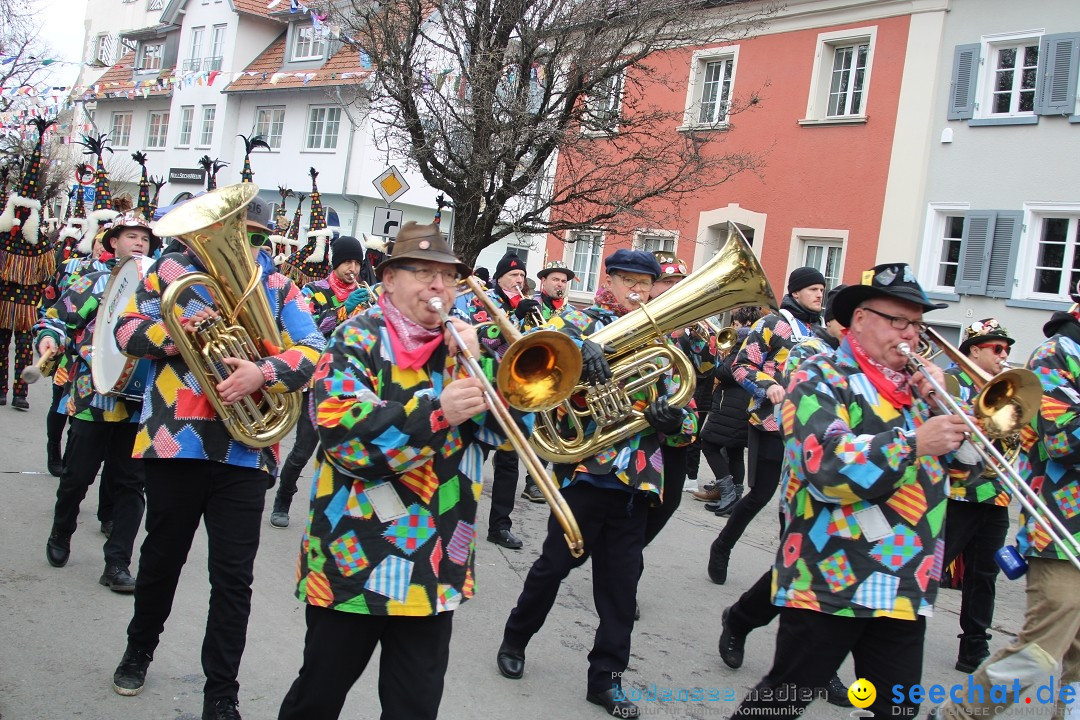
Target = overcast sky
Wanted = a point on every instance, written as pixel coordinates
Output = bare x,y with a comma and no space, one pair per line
62,27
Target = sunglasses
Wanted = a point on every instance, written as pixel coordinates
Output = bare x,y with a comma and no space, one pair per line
996,348
258,239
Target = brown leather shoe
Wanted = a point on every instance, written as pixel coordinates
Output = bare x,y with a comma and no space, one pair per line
708,495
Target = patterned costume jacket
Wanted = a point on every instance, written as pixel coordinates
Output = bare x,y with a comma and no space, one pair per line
852,471
66,275
547,310
971,486
492,339
178,420
636,461
328,311
384,444
1054,451
759,365
70,322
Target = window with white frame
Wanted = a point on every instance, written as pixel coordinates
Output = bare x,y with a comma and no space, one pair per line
104,48
971,252
323,124
217,48
206,135
603,105
709,90
195,48
151,54
307,44
270,122
187,121
157,129
948,259
588,248
1055,266
656,242
827,256
840,79
1011,85
120,134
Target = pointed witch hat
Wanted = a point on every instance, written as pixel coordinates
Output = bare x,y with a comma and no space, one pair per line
97,145
143,203
158,183
289,262
315,261
255,141
21,217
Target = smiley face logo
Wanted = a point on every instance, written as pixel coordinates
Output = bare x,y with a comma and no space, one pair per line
862,693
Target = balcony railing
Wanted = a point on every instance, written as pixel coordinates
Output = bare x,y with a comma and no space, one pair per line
192,65
212,63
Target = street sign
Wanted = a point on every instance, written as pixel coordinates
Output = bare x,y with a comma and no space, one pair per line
386,222
88,193
391,185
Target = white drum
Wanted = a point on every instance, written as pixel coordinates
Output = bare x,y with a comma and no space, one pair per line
113,372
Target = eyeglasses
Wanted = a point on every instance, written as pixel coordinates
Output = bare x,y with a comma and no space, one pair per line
996,348
258,239
897,322
426,275
634,284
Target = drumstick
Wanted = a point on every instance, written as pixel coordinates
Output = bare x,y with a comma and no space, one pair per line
32,373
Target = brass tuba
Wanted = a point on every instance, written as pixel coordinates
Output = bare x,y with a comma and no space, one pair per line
643,354
213,227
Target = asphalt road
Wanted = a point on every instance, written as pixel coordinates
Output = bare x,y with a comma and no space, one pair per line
62,634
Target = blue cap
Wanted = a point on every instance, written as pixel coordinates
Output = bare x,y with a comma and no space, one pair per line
633,261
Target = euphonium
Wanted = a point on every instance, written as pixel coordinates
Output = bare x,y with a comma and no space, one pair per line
601,416
213,227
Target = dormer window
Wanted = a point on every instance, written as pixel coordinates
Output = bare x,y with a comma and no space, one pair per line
150,55
306,45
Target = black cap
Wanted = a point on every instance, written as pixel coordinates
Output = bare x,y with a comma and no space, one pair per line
830,314
984,331
510,261
892,280
804,277
345,248
635,261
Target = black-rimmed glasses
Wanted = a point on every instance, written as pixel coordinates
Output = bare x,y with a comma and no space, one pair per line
897,322
426,275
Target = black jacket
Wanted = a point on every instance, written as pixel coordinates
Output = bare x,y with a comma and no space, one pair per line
728,418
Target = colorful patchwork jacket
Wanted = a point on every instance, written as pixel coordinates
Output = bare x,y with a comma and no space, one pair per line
547,307
759,365
393,504
976,486
1055,453
178,420
328,311
491,338
68,272
635,461
864,515
70,322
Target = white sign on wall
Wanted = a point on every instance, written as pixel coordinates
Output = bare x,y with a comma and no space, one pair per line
386,222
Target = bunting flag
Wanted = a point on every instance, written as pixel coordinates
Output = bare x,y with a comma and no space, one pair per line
143,204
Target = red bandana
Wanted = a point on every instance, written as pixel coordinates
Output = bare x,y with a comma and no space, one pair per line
606,299
412,343
893,385
340,287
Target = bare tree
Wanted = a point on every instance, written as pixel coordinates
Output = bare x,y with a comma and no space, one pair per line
20,39
482,97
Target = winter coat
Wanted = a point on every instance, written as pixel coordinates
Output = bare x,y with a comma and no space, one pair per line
728,417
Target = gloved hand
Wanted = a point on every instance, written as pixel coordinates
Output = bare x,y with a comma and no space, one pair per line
594,366
664,417
356,298
526,306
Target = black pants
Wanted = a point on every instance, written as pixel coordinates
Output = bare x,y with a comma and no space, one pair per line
612,526
693,454
726,460
307,439
675,460
503,490
24,356
978,530
337,647
91,444
54,420
229,500
811,646
766,458
754,608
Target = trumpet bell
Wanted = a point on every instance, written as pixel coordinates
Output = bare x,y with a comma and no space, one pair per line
1008,402
726,339
539,370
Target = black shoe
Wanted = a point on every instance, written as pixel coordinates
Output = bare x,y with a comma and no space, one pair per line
511,662
54,460
58,549
970,664
732,646
221,709
3,400
20,403
106,528
279,519
130,675
616,705
118,579
836,693
720,507
974,649
505,538
532,493
718,562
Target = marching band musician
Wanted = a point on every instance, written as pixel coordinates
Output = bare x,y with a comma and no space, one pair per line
1049,642
977,520
332,300
609,494
390,546
103,427
859,562
554,279
196,471
508,294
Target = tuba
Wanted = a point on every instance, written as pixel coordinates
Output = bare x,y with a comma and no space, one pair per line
601,416
213,227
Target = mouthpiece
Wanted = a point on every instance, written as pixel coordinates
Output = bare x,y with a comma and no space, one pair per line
634,298
904,349
559,293
435,304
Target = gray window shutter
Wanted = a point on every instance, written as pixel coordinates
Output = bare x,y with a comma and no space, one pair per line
1055,87
976,244
965,74
1006,244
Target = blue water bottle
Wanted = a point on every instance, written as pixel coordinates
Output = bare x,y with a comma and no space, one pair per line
1011,562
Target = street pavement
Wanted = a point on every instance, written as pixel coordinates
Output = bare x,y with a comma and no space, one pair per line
62,634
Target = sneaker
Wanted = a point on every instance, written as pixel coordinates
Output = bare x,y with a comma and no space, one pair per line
130,675
221,709
118,579
20,403
532,493
279,519
690,485
731,646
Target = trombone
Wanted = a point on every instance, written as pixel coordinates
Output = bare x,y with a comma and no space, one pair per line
1005,403
546,356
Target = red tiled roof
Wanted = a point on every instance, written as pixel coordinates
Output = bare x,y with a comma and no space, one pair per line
252,7
118,81
268,68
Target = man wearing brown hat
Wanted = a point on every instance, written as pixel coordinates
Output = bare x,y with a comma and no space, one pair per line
390,547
